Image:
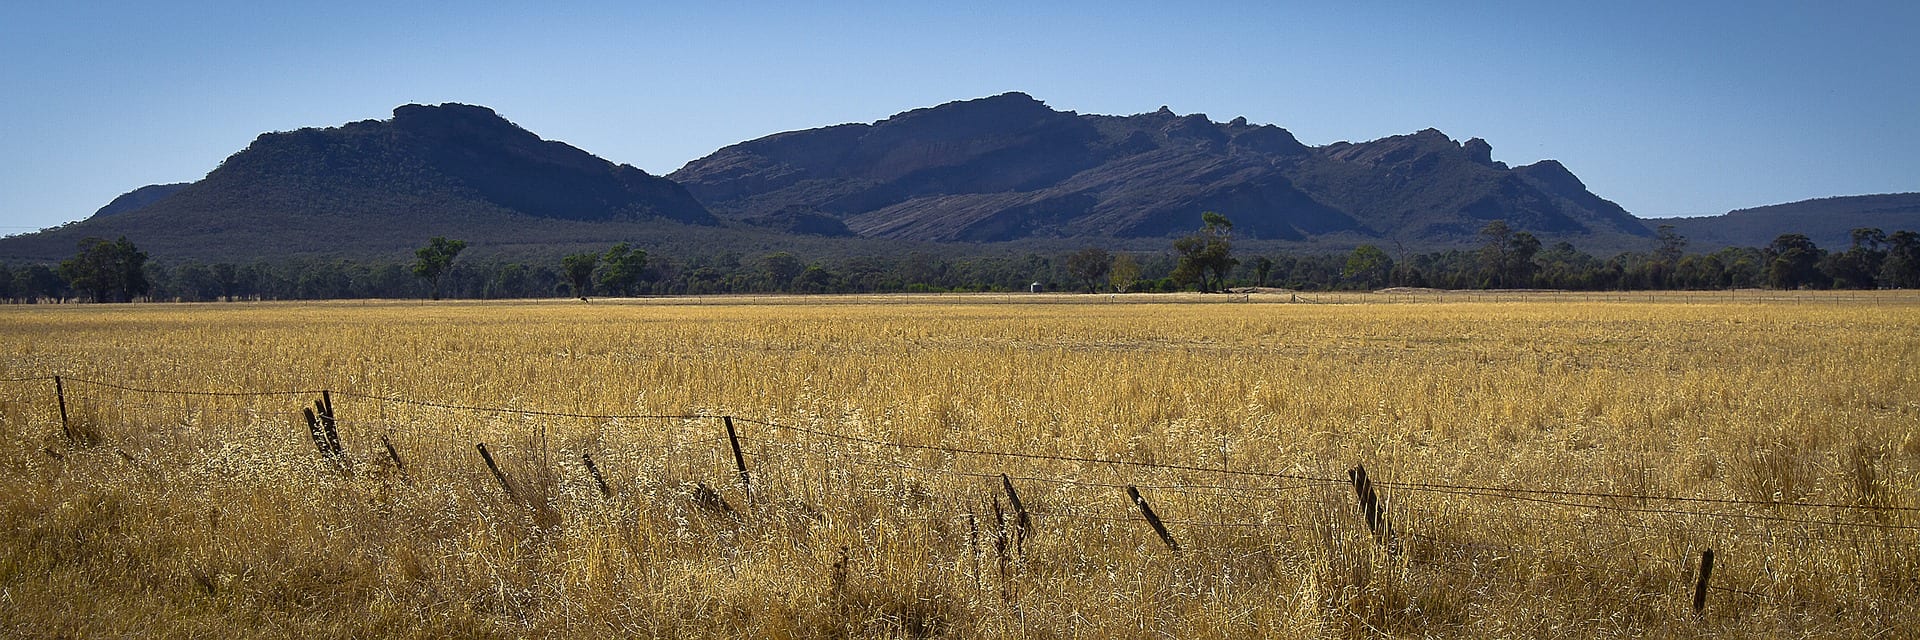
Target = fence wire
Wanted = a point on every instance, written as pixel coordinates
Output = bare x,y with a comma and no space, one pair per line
1260,500
1521,494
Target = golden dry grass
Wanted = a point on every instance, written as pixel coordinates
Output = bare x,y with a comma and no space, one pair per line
200,516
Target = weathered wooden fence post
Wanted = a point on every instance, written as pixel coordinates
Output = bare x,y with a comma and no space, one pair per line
60,393
393,454
598,481
973,539
318,435
706,498
1022,523
1376,515
1700,590
1000,539
495,468
739,460
330,425
1152,518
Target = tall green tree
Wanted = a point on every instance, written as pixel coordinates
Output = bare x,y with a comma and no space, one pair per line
107,271
1089,266
1792,262
1368,266
578,268
33,282
621,268
1901,269
432,261
1859,266
228,276
1672,244
1207,255
1506,256
780,269
1262,266
1124,272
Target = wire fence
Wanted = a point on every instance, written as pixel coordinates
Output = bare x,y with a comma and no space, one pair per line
1065,487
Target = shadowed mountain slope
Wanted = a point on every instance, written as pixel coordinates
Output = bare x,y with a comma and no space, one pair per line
379,187
1009,167
1827,221
1005,169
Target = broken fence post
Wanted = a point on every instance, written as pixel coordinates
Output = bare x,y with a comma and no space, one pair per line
1023,523
1152,518
973,540
319,436
330,424
706,498
495,468
1000,544
593,470
393,454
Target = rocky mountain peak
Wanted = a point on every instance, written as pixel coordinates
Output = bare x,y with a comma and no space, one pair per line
1554,174
1479,151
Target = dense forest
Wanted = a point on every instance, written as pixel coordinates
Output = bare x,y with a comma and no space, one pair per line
118,271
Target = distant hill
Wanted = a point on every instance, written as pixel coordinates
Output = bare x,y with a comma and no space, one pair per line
139,198
381,187
1008,167
1827,221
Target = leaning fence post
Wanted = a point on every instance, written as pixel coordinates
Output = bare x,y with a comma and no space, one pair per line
60,393
592,470
391,453
739,461
707,498
328,422
973,540
1369,502
1023,523
497,475
314,431
1700,590
1000,543
1152,519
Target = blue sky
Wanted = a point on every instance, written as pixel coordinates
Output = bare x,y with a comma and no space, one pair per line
1667,108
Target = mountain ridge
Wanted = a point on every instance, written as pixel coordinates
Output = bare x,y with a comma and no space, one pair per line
1006,167
1000,171
1827,221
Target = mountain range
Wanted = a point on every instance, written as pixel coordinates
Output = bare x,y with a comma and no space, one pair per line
1008,167
1003,171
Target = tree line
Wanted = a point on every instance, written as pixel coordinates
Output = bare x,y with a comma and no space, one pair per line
117,271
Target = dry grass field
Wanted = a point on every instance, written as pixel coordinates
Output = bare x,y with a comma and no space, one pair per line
1551,466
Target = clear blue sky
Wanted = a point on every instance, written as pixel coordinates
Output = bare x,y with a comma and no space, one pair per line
1667,108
